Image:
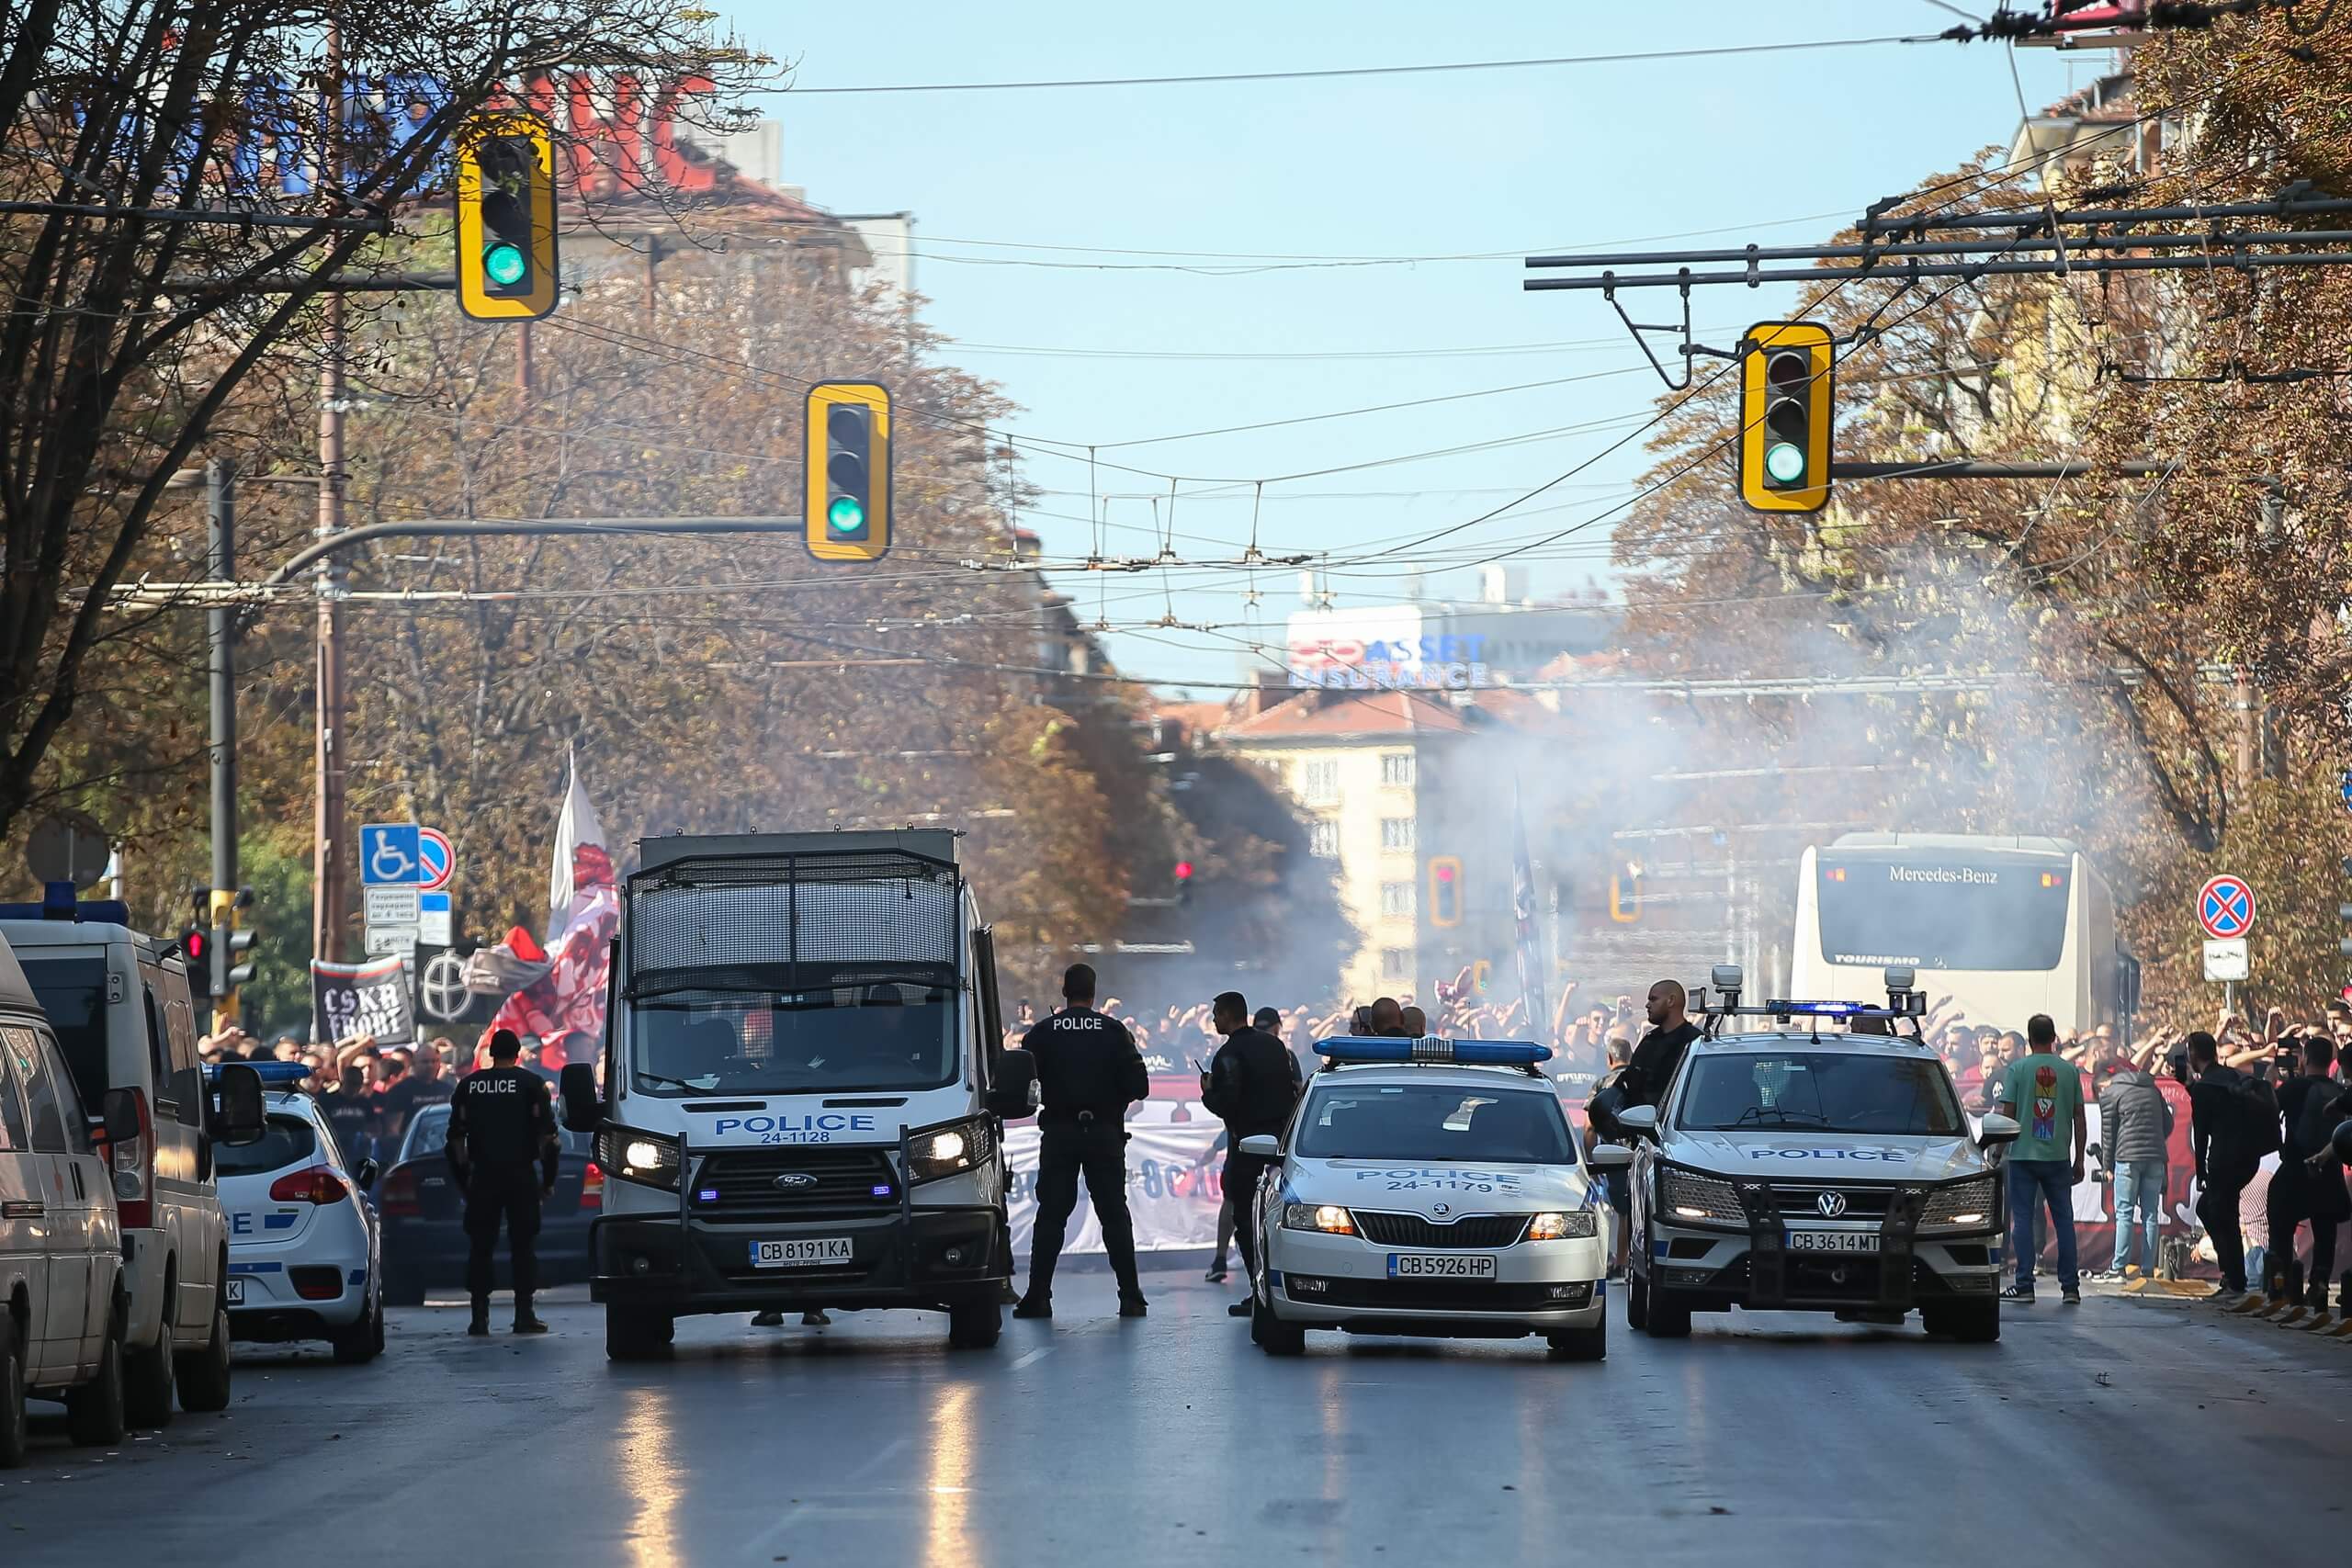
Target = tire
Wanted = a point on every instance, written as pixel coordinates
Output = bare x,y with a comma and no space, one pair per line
363,1340
377,1337
148,1379
1581,1344
94,1411
1670,1315
1971,1322
14,1436
637,1334
1637,1300
1274,1336
976,1323
204,1374
402,1288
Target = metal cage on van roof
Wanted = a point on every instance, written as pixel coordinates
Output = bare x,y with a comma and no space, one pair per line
790,921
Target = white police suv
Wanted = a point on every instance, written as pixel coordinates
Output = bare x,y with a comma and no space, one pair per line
1820,1164
1431,1187
304,1258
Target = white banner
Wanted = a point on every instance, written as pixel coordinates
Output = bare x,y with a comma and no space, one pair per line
1172,1194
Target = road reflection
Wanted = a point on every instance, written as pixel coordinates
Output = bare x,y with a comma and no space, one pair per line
947,1519
647,1437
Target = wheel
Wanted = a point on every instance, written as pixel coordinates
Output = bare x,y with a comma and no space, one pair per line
976,1323
403,1287
147,1380
1581,1344
94,1411
377,1337
1668,1315
637,1334
1971,1322
13,1434
204,1374
1637,1300
1274,1336
363,1340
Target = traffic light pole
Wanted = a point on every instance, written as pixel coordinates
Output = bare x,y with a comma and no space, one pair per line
221,637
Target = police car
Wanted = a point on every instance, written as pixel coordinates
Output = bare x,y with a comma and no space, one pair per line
303,1244
1431,1187
1817,1163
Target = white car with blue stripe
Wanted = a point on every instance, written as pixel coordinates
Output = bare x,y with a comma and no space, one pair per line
303,1241
1432,1187
1822,1163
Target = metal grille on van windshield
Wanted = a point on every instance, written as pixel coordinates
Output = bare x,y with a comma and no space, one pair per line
782,922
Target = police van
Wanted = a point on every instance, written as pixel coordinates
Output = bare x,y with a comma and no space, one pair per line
1820,1162
801,1088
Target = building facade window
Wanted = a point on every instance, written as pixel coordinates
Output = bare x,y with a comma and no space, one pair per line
1322,781
1395,963
1397,833
1397,768
1323,840
1396,900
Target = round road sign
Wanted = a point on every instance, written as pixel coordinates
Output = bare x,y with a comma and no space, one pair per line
440,860
67,846
2225,906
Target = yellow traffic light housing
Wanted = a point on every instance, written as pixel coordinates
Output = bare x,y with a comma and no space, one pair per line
1445,890
506,264
1785,409
846,455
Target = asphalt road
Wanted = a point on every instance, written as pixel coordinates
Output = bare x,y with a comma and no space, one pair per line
2115,1432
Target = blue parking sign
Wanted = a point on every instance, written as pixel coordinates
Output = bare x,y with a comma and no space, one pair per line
390,855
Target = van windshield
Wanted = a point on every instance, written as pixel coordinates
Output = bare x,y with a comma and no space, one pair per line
72,992
890,1035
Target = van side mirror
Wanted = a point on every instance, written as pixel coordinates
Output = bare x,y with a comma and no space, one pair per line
119,1120
238,1117
365,1175
1639,1120
1261,1146
1013,1086
584,1108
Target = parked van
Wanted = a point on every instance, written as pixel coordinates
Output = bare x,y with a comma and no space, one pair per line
117,1009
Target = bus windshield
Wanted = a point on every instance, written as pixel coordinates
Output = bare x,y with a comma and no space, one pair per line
1948,911
890,1035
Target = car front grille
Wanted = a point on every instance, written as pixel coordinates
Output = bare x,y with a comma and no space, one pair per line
1800,1201
742,1184
1412,1230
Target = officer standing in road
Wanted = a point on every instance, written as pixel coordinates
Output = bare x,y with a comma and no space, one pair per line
1251,1085
502,1148
1089,1072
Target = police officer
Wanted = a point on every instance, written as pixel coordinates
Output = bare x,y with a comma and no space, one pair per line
1089,1072
502,1148
1251,1085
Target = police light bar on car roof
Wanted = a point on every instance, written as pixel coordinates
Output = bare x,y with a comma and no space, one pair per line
269,1072
1433,1050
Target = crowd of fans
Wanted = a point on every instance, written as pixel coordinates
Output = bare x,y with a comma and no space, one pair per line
370,1092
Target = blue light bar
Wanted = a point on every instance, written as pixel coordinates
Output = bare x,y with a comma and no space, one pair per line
1433,1050
269,1072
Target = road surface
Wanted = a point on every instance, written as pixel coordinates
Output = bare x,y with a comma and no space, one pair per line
2116,1432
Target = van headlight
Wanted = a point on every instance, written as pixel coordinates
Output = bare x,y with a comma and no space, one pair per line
1571,1225
948,1151
1960,1207
1687,1198
646,1158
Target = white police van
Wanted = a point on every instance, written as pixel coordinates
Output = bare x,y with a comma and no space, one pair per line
1431,1187
1790,1168
802,1079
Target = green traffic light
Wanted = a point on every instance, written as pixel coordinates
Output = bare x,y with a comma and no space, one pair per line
845,516
504,263
1785,462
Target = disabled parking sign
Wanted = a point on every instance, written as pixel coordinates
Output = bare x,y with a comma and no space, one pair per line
2225,906
390,855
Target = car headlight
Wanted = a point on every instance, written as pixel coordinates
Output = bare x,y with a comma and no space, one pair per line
647,1157
1328,1218
946,1151
1961,1206
1684,1197
1569,1226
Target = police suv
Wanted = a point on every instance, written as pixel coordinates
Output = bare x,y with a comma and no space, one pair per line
1819,1164
802,1079
1431,1187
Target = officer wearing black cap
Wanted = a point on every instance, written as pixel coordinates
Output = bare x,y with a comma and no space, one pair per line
502,1148
1089,1072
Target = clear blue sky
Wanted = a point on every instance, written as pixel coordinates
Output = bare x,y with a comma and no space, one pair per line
1508,162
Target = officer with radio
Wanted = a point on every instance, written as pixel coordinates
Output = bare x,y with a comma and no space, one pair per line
503,1149
1089,1072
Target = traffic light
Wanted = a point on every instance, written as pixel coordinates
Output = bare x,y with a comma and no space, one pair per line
230,969
1445,890
507,269
847,455
1184,882
196,946
1785,407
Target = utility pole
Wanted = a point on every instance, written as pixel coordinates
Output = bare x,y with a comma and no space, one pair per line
327,891
221,637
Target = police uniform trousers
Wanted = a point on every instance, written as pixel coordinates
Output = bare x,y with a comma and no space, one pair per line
509,1192
1096,1148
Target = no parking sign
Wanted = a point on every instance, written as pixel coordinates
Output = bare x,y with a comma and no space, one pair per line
2225,906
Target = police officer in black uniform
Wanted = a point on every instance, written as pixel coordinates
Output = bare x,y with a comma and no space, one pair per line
1252,1084
503,1149
1089,1072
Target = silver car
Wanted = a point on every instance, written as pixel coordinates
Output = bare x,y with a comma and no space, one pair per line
1432,1187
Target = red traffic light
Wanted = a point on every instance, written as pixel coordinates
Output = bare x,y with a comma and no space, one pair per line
194,944
1184,871
1443,870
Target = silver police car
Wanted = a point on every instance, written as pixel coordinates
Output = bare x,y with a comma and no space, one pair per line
1432,1187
